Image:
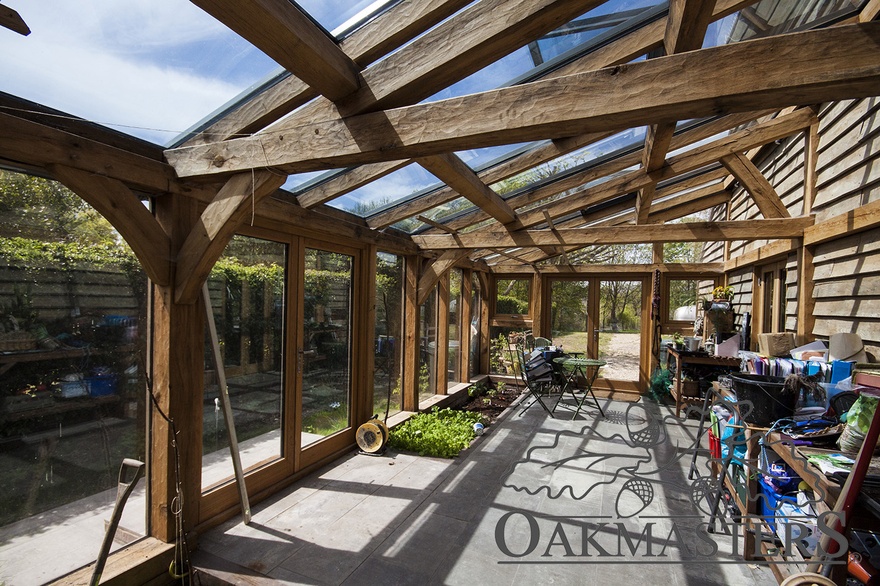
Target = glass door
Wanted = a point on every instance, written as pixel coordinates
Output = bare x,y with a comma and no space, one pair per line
620,333
602,318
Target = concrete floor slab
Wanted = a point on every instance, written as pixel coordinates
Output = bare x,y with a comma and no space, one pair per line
539,500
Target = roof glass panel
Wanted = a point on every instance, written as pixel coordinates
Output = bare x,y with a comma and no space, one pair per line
149,68
386,191
775,17
340,17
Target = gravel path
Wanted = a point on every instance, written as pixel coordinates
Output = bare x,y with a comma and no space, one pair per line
623,357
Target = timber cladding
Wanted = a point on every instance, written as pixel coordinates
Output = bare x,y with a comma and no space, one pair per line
847,176
847,286
54,292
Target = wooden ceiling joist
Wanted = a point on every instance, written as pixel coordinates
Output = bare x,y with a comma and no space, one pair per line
127,214
218,223
805,68
284,33
751,178
690,232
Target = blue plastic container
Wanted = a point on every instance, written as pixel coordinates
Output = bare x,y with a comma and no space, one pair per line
102,385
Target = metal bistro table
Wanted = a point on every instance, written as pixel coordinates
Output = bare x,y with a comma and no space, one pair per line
588,368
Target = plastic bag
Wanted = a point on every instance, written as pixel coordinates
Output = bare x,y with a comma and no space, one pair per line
858,421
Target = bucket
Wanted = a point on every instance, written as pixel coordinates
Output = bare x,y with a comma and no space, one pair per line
765,394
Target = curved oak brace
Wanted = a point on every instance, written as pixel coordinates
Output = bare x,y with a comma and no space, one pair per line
127,214
215,229
435,271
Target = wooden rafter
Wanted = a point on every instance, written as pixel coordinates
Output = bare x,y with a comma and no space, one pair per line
646,39
127,214
497,173
500,172
870,12
12,20
378,37
751,178
690,232
834,63
610,168
347,182
432,273
282,31
215,229
692,160
458,176
685,29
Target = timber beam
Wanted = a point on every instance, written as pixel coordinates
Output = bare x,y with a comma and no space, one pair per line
12,20
432,273
753,181
806,68
127,214
690,232
215,228
284,33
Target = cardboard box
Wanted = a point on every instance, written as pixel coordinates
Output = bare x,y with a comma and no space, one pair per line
775,344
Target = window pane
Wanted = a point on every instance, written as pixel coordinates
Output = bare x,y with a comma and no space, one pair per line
247,296
326,395
454,333
512,296
389,334
428,347
683,299
569,306
73,330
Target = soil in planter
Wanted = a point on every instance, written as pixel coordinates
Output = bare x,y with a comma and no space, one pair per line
493,403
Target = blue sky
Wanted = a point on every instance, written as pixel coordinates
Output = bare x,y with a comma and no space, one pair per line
160,65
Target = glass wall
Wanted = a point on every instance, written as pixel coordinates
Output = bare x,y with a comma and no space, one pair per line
326,358
73,330
428,347
476,311
389,334
453,336
247,297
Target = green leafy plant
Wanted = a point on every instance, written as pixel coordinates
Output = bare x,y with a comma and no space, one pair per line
441,433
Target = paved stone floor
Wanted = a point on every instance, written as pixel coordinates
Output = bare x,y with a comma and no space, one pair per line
535,500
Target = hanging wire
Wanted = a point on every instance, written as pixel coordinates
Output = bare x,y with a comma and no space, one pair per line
180,568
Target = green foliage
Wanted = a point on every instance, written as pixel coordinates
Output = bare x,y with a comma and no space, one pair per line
661,381
506,304
44,210
31,251
442,433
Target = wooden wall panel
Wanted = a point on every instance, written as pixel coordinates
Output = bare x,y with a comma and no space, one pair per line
847,286
846,271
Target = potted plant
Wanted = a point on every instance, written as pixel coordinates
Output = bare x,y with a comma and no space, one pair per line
722,293
678,341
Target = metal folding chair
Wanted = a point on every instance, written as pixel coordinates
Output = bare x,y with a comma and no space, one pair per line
540,379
